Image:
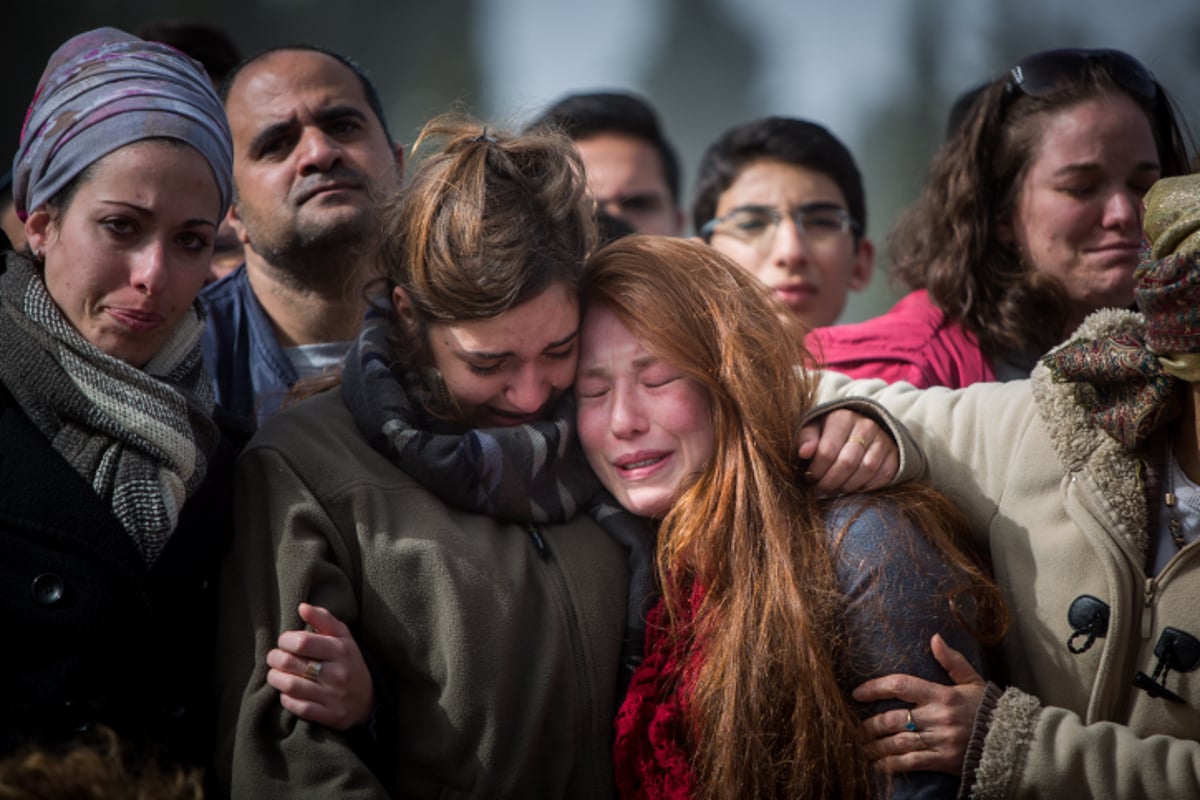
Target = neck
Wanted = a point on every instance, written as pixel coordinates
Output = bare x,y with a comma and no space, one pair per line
1186,445
307,314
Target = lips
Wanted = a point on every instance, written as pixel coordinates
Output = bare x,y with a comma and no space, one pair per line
794,293
137,319
640,464
1125,246
334,186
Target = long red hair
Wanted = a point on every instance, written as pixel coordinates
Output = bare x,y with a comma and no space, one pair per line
767,711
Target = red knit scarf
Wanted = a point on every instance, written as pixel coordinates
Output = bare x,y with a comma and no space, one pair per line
651,755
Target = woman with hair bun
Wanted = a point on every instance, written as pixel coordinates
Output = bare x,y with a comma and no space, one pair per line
434,501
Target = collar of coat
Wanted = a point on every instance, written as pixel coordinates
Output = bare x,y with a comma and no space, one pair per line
1120,475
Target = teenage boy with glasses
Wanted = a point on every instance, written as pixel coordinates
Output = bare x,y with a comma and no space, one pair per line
784,199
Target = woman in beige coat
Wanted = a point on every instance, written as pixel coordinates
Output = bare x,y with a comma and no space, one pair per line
1081,484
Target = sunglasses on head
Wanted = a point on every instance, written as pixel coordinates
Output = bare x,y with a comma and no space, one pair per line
1039,74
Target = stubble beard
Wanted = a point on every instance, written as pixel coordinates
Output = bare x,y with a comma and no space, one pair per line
316,256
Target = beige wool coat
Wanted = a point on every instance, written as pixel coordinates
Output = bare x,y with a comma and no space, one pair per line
1063,512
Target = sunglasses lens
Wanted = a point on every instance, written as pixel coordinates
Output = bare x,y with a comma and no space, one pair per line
1040,73
1130,73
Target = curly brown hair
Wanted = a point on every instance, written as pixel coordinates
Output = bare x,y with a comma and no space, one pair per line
948,242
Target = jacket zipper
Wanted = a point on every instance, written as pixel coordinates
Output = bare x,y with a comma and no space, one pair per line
539,543
575,638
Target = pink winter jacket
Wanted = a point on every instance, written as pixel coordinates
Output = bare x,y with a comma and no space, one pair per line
912,342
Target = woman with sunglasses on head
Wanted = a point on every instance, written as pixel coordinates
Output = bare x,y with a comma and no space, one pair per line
115,481
1029,221
1082,485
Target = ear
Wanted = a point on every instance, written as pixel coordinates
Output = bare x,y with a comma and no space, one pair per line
238,227
38,229
679,221
404,309
864,265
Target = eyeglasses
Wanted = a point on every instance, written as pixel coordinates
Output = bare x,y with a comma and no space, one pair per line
757,225
1041,73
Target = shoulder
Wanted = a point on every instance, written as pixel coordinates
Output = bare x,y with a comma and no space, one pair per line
311,425
913,319
872,534
911,342
227,289
860,524
224,304
318,441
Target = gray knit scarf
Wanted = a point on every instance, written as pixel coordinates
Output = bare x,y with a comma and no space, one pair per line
141,438
533,473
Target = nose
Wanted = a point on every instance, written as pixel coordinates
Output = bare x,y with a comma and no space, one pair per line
529,389
788,248
1123,210
317,152
627,417
149,273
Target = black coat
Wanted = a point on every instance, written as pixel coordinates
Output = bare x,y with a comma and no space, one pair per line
90,633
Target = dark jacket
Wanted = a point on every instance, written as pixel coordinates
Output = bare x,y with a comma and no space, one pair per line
251,375
497,644
92,635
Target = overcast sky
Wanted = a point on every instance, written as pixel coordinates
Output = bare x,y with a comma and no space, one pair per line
819,54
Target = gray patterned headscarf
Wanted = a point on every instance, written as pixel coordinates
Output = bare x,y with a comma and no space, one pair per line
104,89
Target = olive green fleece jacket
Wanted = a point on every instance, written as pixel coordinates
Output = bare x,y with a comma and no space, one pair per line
494,647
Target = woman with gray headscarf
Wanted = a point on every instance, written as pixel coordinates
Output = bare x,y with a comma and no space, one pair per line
114,477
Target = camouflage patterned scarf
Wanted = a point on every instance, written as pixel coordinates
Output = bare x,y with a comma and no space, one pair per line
533,473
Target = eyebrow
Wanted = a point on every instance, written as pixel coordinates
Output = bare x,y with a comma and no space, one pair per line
817,205
322,116
486,356
145,212
332,113
1092,166
641,362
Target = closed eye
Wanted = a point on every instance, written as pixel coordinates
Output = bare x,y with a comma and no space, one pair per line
587,391
479,369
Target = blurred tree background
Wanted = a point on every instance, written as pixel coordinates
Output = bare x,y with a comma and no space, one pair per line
881,74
